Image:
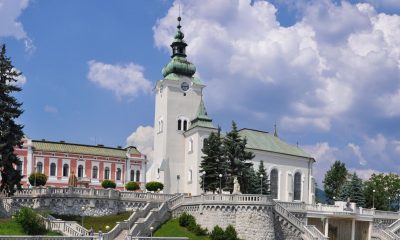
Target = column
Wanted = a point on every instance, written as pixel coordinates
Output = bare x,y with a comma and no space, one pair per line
353,229
326,228
370,224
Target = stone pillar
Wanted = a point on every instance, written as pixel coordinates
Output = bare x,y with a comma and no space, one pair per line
353,229
370,225
326,227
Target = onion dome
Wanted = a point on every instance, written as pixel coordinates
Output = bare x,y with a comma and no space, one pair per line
179,64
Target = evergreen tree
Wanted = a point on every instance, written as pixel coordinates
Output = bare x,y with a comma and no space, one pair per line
10,132
238,160
353,190
265,180
213,162
334,179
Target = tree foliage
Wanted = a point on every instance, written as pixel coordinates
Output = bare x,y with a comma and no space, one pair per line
353,190
237,159
37,179
108,184
212,163
265,180
10,132
132,186
387,189
30,221
335,177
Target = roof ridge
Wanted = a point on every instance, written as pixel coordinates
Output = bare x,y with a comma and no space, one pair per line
82,145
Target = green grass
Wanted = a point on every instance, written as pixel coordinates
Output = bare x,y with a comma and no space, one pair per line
98,223
9,227
172,229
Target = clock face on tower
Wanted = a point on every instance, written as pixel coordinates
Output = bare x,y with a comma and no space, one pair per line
185,86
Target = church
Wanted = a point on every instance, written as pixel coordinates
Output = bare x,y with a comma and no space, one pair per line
181,124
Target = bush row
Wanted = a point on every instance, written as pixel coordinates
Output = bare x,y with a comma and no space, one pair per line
189,222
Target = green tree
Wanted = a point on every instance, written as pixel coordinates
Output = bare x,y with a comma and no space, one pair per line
354,190
212,162
238,159
335,177
217,233
132,186
108,184
230,233
265,180
10,132
387,188
37,179
154,186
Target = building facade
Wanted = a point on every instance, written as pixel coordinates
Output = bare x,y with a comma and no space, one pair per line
91,164
181,124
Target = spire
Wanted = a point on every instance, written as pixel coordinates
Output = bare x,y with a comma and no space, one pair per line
275,131
179,64
202,119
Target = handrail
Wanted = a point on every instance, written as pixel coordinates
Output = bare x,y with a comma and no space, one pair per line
315,232
394,226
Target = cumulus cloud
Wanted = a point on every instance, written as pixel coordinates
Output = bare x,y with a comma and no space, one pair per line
315,72
142,138
357,152
124,80
10,26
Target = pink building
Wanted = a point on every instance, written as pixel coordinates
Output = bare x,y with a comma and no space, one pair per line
91,164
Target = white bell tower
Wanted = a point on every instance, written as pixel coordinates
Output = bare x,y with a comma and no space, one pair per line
177,98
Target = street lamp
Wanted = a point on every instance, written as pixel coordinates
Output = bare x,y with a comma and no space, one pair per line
107,228
373,199
35,176
83,215
220,183
204,178
261,182
177,178
151,232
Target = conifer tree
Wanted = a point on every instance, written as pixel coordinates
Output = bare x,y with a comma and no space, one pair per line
213,162
353,190
238,159
10,132
265,180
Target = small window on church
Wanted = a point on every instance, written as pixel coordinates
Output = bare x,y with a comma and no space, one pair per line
179,124
190,176
185,125
190,145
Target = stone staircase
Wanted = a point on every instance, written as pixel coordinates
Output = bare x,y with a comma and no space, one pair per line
295,225
388,233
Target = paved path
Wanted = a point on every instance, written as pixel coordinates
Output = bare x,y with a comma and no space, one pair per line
122,235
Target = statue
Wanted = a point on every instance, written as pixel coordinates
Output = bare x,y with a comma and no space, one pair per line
348,205
236,186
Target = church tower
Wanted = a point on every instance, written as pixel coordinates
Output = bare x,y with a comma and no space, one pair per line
177,99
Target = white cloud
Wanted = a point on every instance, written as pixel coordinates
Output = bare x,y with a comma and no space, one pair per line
50,109
124,80
142,138
10,26
364,174
315,72
356,150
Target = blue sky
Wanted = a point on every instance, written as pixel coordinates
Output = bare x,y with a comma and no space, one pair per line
326,72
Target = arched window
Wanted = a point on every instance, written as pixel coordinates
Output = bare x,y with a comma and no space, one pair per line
137,176
297,186
65,170
107,173
274,183
80,171
119,174
53,168
190,145
95,170
179,124
39,167
132,175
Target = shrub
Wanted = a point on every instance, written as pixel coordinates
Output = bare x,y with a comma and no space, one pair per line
230,233
132,186
186,219
154,186
41,179
108,184
217,233
30,221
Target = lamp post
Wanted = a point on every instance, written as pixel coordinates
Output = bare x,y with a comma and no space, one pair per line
177,187
151,232
373,198
107,228
35,176
83,215
220,183
204,178
261,182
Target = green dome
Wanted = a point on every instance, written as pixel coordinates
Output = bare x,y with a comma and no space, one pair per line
179,65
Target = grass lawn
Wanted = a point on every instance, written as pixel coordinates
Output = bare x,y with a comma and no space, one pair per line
9,227
172,229
98,223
